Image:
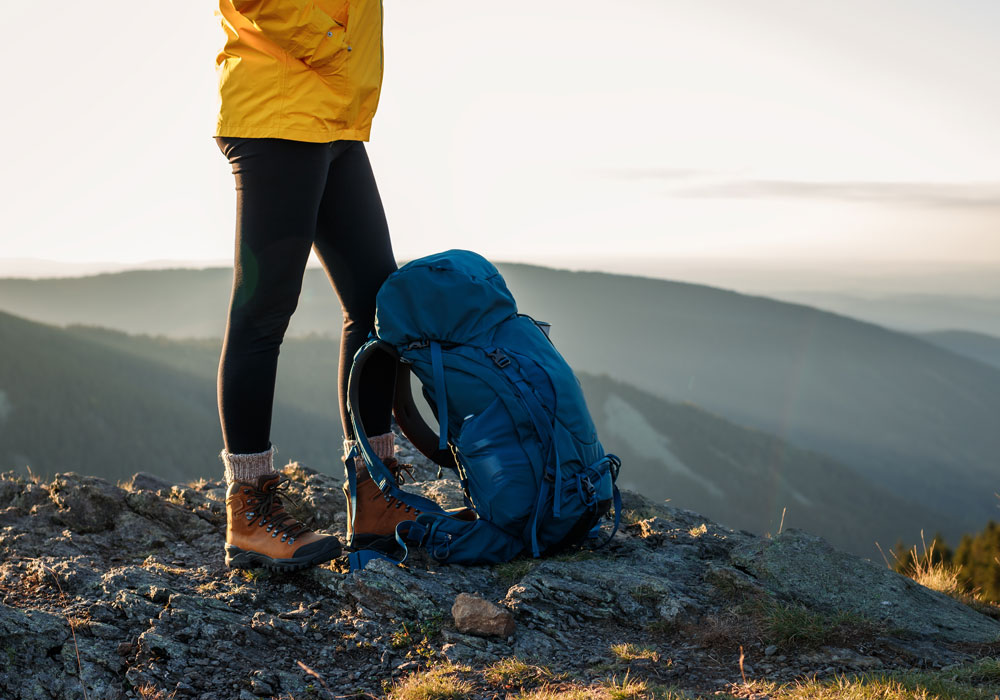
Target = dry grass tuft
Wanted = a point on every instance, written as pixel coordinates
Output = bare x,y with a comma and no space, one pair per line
439,683
979,681
932,572
626,689
514,673
634,652
564,693
151,692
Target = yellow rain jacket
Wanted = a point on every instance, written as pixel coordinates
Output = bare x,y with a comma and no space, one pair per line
305,70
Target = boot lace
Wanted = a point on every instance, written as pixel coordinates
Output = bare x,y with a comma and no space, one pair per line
398,469
270,512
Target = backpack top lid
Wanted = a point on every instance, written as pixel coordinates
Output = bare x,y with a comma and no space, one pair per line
453,297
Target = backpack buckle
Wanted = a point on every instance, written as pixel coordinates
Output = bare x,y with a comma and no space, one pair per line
614,466
417,345
587,490
498,357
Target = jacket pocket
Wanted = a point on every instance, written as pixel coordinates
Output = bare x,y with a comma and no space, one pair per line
331,52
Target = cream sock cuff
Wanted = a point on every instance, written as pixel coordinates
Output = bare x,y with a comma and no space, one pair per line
384,446
248,467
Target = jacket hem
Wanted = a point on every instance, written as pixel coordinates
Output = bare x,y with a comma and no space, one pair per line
249,131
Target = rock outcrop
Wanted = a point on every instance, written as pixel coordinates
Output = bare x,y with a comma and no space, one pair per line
121,590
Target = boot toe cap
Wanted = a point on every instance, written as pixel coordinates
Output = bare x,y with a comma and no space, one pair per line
324,548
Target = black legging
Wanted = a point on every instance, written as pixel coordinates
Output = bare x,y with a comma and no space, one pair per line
290,197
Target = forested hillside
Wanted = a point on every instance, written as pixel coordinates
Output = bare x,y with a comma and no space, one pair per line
68,402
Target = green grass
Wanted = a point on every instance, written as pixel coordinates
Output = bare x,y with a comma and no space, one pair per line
418,637
253,575
511,572
792,626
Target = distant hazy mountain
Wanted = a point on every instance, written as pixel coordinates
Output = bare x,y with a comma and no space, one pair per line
38,267
915,313
978,346
915,418
746,478
109,404
177,303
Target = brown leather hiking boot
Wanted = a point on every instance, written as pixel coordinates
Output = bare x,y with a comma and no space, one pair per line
260,533
374,526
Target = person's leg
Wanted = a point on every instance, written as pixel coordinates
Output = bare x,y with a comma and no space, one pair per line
279,186
353,243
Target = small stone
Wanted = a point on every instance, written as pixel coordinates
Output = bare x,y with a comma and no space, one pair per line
159,595
124,649
474,615
771,650
407,666
143,481
260,687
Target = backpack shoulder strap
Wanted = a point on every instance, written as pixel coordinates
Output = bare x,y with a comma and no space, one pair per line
379,472
413,425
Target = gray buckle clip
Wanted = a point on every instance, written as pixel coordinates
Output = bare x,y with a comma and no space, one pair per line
499,358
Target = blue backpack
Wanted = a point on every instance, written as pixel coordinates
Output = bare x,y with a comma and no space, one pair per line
513,423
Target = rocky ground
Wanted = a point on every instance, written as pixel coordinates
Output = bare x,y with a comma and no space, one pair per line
120,591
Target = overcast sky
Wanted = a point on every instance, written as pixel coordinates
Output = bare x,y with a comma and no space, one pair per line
777,129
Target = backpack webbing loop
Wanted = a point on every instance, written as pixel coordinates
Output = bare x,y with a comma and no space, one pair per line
441,393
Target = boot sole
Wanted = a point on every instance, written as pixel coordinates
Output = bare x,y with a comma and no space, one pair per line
386,544
237,558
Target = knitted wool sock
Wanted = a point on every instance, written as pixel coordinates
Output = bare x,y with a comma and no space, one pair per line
384,446
248,467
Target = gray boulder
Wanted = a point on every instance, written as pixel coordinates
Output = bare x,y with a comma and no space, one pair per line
806,569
